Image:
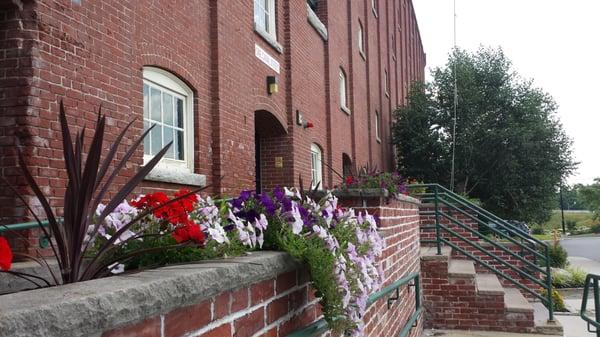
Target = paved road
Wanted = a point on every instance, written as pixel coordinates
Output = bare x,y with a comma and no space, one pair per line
588,247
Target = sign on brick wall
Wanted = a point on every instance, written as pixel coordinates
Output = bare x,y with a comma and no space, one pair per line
267,59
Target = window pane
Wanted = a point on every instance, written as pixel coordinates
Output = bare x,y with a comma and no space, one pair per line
179,148
179,117
146,101
155,105
156,139
167,109
168,137
146,139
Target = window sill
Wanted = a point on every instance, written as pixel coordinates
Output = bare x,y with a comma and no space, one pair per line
165,174
375,12
362,54
394,57
378,140
387,94
269,39
314,21
346,110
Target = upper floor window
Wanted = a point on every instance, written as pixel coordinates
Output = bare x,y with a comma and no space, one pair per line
316,168
264,17
361,39
386,81
343,91
168,106
313,4
377,126
374,7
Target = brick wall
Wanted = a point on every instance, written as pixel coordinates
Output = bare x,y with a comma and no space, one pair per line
281,305
91,53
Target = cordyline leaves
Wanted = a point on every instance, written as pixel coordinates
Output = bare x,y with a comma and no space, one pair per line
88,184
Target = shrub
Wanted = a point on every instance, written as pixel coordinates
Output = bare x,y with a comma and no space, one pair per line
538,230
570,277
571,225
557,299
557,255
595,228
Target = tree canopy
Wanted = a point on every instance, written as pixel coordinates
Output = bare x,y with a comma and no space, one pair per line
511,150
590,195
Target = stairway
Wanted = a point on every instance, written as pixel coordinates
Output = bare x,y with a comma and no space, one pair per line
458,297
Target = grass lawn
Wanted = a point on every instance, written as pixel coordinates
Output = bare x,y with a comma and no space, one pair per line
582,218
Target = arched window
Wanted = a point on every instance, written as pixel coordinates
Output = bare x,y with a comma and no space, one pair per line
316,166
361,39
343,91
168,106
346,165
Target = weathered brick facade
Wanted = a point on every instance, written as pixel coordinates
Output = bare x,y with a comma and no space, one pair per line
90,53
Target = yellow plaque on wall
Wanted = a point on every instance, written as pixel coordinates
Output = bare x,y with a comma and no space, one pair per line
279,162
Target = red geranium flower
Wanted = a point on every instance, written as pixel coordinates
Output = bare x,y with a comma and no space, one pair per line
349,180
6,255
188,232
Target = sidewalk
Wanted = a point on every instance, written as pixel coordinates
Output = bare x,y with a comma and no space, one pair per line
573,324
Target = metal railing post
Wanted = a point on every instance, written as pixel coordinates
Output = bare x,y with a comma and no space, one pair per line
438,242
549,286
597,305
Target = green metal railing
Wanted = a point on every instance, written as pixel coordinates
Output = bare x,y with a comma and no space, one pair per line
591,281
43,241
321,326
533,255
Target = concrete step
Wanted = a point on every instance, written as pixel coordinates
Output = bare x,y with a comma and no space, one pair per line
514,301
430,253
488,284
461,268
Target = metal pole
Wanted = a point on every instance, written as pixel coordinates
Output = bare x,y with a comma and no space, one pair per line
549,287
562,211
597,305
437,221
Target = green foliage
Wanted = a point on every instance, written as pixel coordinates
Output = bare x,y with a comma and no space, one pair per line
590,195
538,230
570,277
595,228
557,299
511,150
557,256
571,225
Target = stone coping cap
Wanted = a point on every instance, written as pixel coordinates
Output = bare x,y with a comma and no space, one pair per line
367,193
89,308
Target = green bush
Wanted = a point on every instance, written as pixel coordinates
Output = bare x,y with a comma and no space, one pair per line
538,230
557,256
568,278
557,299
571,225
595,228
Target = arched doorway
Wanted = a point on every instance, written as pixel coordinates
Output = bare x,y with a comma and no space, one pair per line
273,165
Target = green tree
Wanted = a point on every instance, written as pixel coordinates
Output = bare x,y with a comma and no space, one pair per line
590,195
511,150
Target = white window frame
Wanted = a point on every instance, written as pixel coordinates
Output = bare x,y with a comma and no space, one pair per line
374,7
167,82
270,28
386,79
377,126
343,90
361,39
316,166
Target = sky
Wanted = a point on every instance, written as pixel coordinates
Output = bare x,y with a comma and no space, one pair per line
554,42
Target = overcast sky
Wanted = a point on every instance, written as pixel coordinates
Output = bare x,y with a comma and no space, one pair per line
554,42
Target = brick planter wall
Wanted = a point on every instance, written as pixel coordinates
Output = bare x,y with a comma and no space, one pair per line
263,294
399,225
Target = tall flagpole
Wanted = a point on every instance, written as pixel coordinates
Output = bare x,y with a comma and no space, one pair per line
455,105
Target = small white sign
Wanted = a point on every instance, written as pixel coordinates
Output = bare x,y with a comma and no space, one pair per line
267,59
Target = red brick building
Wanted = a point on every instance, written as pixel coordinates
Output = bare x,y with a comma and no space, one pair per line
200,71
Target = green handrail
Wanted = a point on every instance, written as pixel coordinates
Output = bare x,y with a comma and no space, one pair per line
321,326
43,241
591,281
442,197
